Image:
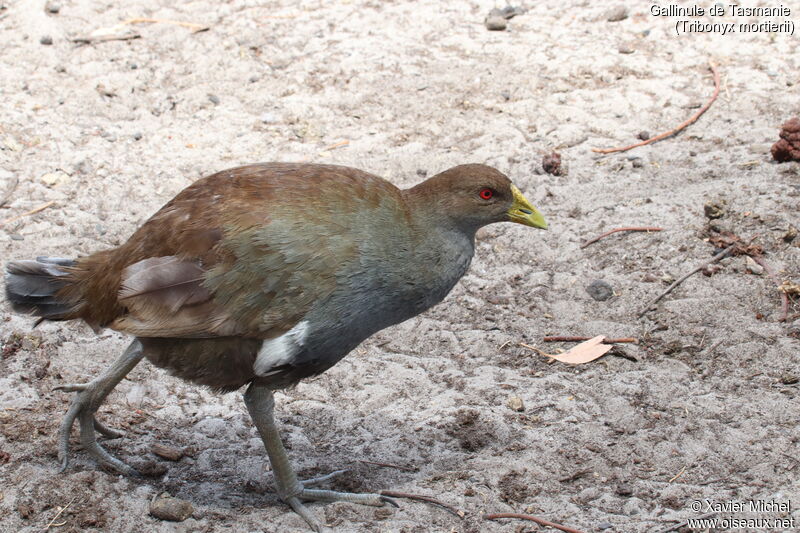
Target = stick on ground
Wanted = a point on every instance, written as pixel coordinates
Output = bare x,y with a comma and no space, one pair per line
540,521
28,213
678,128
196,28
611,232
713,260
566,338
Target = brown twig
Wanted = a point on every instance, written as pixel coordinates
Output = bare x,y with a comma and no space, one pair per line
105,38
611,232
540,521
27,213
336,145
387,465
557,338
196,28
449,508
776,281
676,476
60,510
675,130
713,260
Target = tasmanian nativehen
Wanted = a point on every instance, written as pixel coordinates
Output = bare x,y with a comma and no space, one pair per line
264,275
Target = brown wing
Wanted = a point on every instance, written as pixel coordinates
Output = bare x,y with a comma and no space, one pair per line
244,252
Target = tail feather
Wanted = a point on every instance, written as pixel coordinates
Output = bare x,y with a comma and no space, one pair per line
32,286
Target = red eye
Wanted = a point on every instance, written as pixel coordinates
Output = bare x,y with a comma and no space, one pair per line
486,194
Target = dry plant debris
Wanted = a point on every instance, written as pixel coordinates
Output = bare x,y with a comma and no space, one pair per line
676,129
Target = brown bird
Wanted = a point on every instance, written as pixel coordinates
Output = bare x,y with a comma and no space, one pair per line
264,275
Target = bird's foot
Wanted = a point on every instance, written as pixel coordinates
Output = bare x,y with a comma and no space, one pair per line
88,398
329,496
314,481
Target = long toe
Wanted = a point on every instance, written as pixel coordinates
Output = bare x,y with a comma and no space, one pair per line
107,432
83,407
72,387
314,481
375,500
97,452
306,514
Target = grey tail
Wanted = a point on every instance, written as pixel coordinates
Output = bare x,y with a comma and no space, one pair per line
32,287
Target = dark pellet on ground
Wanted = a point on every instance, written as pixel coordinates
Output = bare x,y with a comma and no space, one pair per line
600,290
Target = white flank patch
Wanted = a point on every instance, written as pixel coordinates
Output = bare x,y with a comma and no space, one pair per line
280,350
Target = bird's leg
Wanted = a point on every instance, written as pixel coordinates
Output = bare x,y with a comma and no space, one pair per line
261,404
88,398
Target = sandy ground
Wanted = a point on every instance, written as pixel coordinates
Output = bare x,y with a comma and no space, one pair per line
705,407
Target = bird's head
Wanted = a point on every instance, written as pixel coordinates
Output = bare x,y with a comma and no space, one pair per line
472,196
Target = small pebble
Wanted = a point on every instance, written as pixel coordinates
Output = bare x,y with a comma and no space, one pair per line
752,266
617,13
253,79
637,163
515,404
789,379
714,210
626,49
551,163
268,118
624,489
165,507
602,526
790,234
421,172
496,20
214,99
16,237
137,136
643,135
52,7
600,290
46,40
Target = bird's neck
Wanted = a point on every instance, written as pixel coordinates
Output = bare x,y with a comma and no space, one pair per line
439,241
429,214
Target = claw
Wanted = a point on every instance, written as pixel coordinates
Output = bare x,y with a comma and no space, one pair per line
390,501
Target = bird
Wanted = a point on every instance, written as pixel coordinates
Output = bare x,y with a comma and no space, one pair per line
261,276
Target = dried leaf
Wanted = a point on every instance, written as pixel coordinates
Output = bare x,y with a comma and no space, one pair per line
584,352
790,288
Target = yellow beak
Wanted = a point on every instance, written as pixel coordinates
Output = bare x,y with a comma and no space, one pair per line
522,212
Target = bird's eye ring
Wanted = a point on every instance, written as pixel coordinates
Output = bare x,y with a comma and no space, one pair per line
486,194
